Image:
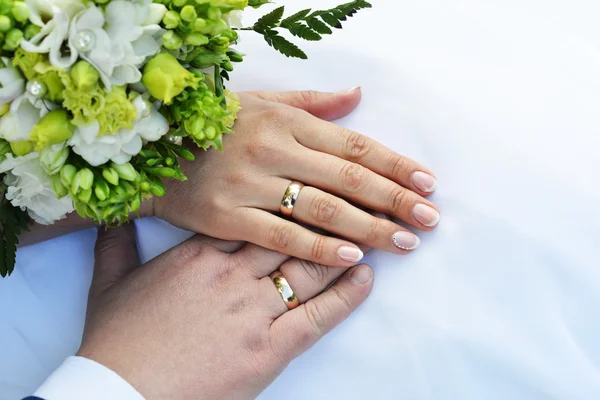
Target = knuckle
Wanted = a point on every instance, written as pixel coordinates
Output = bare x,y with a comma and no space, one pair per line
318,248
356,146
373,234
316,318
342,297
309,96
282,237
277,118
352,177
399,166
314,272
324,208
398,199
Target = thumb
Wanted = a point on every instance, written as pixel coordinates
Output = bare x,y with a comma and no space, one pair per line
116,256
327,106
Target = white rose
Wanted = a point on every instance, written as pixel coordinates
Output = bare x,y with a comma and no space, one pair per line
30,188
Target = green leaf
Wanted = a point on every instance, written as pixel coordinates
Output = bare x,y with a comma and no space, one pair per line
283,45
300,15
318,26
13,221
332,20
258,3
304,32
269,20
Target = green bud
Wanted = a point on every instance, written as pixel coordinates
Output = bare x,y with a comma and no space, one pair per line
13,39
30,31
210,132
219,41
135,203
148,154
185,154
110,213
218,27
145,186
157,188
214,13
85,195
152,162
179,3
162,172
199,25
53,128
188,13
82,209
21,148
235,57
128,188
102,190
171,40
5,23
20,11
84,75
196,39
83,180
169,161
194,126
165,78
59,189
171,19
53,158
227,66
125,171
67,173
111,176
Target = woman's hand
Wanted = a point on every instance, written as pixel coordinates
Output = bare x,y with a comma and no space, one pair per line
279,138
204,320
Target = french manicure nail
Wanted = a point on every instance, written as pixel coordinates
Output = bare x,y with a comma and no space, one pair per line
424,182
426,215
361,275
350,254
406,240
354,89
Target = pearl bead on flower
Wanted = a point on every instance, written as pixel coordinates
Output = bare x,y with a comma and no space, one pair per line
36,88
85,40
178,140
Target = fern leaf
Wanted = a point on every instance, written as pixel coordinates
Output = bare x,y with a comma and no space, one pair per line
269,20
283,45
300,15
319,26
304,32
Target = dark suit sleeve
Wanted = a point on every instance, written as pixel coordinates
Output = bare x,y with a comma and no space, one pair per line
32,398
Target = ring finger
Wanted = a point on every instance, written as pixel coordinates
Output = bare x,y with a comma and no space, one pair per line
306,279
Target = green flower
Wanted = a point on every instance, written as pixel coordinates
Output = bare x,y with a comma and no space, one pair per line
27,62
118,112
53,158
53,128
165,78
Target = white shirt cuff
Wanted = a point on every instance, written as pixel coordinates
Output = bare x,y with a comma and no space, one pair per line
80,378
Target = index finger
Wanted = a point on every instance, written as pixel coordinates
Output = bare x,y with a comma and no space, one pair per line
329,138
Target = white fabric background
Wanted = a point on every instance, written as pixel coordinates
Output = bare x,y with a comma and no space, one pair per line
501,98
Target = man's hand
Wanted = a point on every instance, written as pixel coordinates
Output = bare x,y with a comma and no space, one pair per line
204,320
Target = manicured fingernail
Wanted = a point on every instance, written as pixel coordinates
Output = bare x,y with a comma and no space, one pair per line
350,254
405,240
426,215
361,275
424,182
354,89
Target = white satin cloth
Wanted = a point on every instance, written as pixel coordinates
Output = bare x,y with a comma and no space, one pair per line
501,98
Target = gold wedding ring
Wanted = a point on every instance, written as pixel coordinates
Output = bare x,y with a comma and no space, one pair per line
289,198
286,291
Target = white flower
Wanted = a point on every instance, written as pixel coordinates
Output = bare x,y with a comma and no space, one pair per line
12,83
125,143
234,19
30,188
53,17
22,117
124,35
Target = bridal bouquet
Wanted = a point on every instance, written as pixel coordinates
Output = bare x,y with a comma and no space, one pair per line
100,98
